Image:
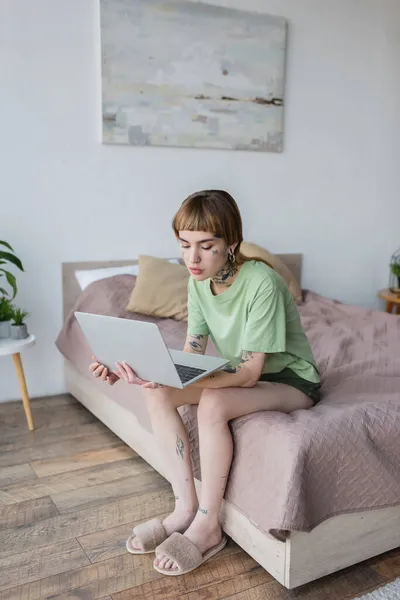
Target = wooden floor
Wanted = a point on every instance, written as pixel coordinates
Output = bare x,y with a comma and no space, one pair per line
70,492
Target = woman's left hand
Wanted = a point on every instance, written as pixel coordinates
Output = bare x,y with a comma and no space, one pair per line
124,371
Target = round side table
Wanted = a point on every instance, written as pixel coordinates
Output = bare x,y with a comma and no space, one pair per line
392,300
14,347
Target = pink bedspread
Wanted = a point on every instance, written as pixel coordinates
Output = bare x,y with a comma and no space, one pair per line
290,472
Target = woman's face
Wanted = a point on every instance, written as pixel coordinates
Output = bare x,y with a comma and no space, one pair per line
204,254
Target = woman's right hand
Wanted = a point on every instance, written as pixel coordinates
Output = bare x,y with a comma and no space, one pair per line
124,371
101,372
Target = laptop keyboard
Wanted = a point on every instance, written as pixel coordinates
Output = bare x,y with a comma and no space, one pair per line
188,373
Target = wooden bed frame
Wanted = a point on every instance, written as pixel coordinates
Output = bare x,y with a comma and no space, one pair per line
336,543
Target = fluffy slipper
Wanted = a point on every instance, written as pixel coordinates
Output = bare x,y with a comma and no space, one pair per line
185,554
149,535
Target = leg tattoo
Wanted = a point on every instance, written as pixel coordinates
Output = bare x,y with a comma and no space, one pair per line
203,510
180,446
225,480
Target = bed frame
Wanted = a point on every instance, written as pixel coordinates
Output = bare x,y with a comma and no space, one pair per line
301,557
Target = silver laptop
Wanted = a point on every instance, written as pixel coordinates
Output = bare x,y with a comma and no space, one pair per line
141,345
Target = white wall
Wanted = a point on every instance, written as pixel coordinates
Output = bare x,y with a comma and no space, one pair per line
333,194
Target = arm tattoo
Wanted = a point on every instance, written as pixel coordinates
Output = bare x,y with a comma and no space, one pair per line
195,346
196,343
203,510
246,356
231,369
180,446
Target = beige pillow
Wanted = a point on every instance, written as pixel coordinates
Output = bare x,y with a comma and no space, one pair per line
249,249
160,290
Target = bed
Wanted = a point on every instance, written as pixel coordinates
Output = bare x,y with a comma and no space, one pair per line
330,497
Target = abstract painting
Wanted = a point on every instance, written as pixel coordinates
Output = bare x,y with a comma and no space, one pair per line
190,74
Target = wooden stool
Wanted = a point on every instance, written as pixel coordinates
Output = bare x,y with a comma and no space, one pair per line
14,347
392,300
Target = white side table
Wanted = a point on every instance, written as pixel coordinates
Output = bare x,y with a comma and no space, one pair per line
14,347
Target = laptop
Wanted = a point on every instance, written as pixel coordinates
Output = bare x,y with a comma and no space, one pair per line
141,345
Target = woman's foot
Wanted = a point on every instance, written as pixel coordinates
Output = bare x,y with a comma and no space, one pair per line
203,533
179,521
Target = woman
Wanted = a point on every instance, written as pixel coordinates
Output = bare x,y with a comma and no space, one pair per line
247,309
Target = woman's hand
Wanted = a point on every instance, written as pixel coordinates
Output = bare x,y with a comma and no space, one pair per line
124,371
101,372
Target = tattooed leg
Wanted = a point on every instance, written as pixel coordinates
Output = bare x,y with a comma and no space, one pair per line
216,452
216,449
173,445
180,447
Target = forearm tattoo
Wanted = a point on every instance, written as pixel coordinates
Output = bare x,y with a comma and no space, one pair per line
196,342
246,356
203,510
180,446
231,369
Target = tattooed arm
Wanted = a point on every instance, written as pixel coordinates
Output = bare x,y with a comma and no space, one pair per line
196,344
246,374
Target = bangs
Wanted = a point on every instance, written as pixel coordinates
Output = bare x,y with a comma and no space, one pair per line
197,215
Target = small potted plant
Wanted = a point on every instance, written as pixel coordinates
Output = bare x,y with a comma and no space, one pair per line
8,256
395,268
6,314
19,330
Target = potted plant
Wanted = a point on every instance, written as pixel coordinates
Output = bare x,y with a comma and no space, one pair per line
395,268
9,257
6,314
19,330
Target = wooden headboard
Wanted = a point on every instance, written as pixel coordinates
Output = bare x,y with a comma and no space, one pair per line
71,289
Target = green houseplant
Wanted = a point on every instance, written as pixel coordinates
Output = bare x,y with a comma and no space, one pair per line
395,268
19,330
8,257
6,314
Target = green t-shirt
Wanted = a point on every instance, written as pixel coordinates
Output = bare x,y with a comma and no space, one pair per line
256,313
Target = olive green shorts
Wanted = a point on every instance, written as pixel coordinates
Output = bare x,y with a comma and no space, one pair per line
289,377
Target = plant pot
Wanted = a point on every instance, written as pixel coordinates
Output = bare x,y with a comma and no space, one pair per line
19,332
393,288
5,329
